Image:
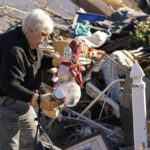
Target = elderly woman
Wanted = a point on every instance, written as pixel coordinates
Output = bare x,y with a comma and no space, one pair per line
20,77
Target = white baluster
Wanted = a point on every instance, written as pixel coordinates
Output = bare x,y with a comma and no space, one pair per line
139,107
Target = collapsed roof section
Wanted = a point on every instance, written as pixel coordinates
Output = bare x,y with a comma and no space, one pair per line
107,7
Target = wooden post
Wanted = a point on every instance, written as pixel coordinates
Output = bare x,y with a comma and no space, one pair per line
139,107
141,146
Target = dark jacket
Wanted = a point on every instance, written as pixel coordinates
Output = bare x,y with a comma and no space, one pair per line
20,67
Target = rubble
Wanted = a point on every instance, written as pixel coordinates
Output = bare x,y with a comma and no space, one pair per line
105,103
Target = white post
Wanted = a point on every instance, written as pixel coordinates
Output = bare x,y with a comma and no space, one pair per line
139,107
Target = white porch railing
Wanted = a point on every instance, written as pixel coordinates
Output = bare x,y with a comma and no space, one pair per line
139,107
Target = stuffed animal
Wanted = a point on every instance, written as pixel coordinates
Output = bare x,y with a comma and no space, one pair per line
68,77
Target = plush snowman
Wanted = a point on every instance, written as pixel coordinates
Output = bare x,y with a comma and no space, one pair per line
68,77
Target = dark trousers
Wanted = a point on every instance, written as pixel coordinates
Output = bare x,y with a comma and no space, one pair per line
17,124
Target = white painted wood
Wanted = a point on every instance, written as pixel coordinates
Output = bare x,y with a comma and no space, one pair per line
72,35
75,20
93,91
100,95
139,107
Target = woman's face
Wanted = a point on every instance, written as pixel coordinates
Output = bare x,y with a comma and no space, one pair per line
36,39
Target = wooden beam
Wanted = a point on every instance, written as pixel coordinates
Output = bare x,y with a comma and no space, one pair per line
94,92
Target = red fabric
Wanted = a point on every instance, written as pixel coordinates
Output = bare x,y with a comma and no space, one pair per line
64,101
52,89
55,83
56,74
75,46
77,75
66,63
52,100
74,70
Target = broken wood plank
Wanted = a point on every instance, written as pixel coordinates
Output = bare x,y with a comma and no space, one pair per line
94,92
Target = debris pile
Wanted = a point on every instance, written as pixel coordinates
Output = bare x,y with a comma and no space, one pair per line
110,47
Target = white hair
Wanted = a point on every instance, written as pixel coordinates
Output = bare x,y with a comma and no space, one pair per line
39,21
